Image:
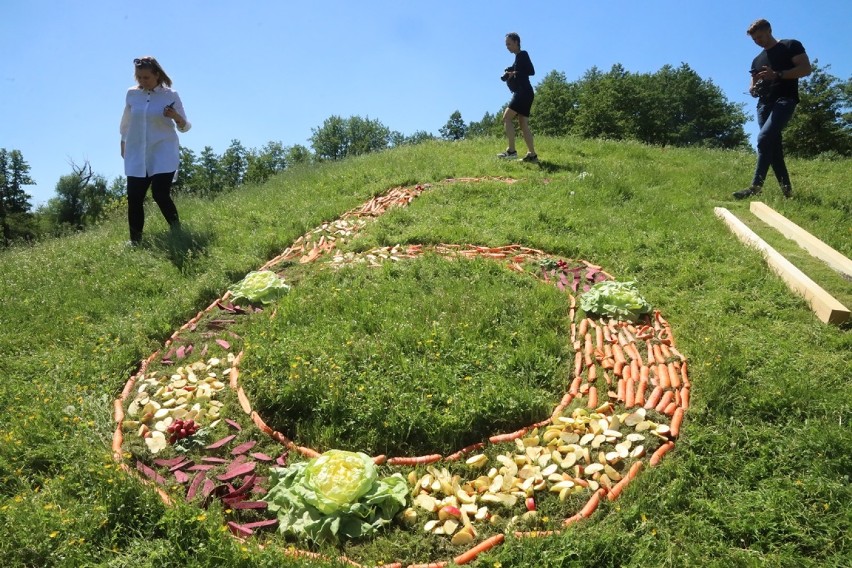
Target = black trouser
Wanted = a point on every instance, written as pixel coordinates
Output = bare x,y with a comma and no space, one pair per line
137,187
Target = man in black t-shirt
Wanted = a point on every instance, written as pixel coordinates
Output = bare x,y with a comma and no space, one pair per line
775,74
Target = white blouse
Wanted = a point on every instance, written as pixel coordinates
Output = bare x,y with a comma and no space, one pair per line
150,141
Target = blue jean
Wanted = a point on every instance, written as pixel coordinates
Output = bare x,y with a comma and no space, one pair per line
772,117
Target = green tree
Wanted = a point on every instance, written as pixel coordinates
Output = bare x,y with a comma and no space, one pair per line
260,165
233,164
455,128
185,182
81,198
489,125
15,219
822,123
555,105
341,138
207,177
297,154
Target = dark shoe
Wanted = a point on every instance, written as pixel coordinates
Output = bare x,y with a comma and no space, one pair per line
508,154
530,158
787,190
747,192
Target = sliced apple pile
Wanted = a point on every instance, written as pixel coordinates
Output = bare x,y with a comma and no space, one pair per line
575,454
190,393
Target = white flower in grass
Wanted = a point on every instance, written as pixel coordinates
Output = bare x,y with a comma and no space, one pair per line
156,442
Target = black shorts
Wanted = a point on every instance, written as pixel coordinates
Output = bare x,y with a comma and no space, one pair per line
522,102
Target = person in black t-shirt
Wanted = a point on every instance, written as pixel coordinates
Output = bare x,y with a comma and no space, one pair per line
517,78
775,75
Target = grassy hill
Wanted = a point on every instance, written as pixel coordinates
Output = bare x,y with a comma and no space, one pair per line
760,476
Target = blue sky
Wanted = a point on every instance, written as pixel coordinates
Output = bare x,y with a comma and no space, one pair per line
267,70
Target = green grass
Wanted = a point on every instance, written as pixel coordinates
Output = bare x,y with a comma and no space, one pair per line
760,476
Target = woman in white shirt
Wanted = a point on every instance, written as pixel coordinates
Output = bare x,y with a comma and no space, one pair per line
149,143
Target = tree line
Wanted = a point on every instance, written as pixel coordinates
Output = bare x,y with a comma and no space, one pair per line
672,106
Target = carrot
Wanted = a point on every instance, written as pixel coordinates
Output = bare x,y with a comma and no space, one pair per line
592,375
618,354
117,440
282,439
634,469
593,398
127,388
608,363
684,398
666,351
661,451
622,388
483,546
571,314
654,398
557,412
500,438
573,332
658,354
667,398
584,327
674,376
607,378
419,460
118,411
258,421
630,394
677,420
566,399
592,504
683,374
651,358
380,459
618,368
676,397
608,351
572,520
307,452
644,372
670,408
244,401
639,399
663,376
578,364
618,488
634,370
599,343
233,377
575,385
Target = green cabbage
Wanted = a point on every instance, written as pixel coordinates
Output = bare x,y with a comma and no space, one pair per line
334,497
263,286
620,300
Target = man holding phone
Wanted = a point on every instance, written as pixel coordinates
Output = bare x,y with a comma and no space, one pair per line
775,75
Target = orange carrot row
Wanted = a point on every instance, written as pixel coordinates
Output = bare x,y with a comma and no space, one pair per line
483,546
419,460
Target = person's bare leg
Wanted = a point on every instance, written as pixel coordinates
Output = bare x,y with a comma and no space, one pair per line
509,126
527,133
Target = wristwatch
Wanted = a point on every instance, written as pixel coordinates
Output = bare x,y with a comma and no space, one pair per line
780,74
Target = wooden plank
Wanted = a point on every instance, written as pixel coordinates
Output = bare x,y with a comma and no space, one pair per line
824,305
804,239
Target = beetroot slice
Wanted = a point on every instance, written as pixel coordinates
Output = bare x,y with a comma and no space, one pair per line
201,467
261,524
249,505
223,344
260,456
241,469
208,487
181,464
235,425
212,459
243,448
181,477
239,530
150,473
219,443
193,486
169,462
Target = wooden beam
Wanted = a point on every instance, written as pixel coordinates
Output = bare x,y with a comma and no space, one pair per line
824,305
804,239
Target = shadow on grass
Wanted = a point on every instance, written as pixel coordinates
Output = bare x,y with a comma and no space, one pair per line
553,167
181,245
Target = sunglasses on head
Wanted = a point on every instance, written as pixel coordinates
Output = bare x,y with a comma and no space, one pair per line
143,62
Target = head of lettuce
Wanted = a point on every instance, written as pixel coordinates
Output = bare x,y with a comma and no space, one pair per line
334,497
